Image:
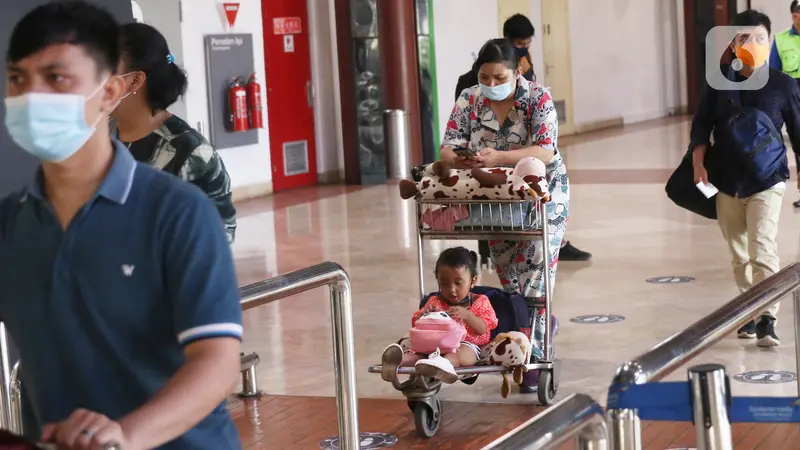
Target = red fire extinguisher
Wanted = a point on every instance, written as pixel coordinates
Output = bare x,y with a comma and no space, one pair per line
254,103
237,100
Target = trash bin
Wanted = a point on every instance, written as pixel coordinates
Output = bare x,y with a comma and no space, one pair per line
397,138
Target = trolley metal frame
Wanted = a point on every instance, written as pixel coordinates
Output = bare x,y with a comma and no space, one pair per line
422,392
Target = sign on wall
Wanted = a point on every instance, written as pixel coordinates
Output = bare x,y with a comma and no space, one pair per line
231,13
287,25
228,57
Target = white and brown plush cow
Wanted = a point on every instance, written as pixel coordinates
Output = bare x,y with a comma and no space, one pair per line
526,181
510,350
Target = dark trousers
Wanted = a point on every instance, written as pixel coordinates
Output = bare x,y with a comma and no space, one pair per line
483,251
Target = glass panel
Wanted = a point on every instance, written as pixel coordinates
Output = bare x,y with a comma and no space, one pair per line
365,18
369,109
423,24
426,99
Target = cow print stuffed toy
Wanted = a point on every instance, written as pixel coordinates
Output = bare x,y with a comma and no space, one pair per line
526,181
510,350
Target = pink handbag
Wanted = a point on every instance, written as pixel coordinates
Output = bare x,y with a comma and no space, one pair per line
436,330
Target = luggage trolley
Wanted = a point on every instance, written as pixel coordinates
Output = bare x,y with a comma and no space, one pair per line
508,220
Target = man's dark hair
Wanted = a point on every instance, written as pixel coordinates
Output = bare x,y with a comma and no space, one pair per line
752,18
145,49
72,22
518,27
795,6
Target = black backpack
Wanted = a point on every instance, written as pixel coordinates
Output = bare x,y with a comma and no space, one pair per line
753,138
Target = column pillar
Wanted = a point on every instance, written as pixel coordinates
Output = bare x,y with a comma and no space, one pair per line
399,66
347,91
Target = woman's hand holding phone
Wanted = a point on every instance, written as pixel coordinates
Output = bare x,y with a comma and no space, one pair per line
467,159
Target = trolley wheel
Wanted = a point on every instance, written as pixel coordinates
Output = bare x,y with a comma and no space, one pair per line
426,420
547,388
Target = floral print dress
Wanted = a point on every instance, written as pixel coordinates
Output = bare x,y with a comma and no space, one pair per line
532,121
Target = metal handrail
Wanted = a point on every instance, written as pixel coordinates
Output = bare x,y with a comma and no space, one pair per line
577,415
344,362
252,296
673,352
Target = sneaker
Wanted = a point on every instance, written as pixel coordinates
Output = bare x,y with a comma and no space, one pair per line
796,204
748,331
438,367
765,332
390,361
571,253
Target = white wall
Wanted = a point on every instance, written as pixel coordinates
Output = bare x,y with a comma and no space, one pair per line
627,55
625,59
537,53
249,166
778,12
461,28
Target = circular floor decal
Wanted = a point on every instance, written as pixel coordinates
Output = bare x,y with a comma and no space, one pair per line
368,441
670,279
766,377
597,319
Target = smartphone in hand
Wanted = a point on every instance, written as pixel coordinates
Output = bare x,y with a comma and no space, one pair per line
466,153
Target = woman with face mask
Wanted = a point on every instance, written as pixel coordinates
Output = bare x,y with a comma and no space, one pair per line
154,135
502,120
520,31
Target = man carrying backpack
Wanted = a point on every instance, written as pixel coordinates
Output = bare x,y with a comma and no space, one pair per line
747,161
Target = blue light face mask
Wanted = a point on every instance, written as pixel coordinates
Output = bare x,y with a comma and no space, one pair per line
51,127
499,92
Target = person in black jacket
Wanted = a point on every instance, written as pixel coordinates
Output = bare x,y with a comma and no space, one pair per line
520,31
748,205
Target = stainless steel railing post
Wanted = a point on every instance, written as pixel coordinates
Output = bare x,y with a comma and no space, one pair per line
594,436
624,429
344,362
576,416
248,368
332,275
796,297
420,253
709,387
16,401
5,380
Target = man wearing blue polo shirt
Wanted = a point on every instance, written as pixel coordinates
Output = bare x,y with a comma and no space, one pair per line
117,280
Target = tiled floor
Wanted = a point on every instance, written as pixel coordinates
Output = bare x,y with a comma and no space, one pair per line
619,213
273,422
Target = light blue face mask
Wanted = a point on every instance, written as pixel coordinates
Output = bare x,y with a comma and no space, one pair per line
499,92
51,127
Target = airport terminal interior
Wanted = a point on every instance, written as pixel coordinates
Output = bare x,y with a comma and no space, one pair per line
621,213
318,182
